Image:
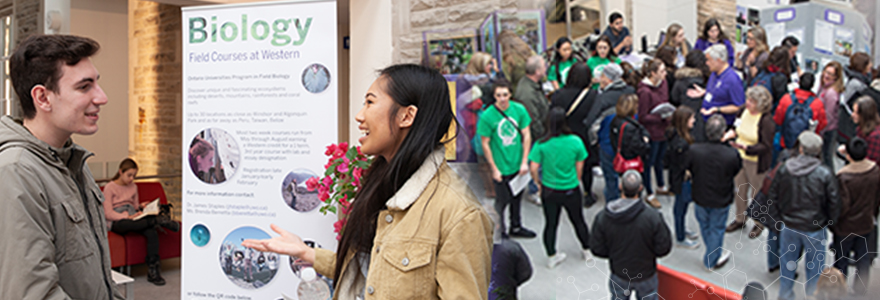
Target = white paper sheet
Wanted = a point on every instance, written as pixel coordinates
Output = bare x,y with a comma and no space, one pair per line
795,32
823,40
519,183
151,209
775,33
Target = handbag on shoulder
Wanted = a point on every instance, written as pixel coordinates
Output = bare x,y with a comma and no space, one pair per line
622,165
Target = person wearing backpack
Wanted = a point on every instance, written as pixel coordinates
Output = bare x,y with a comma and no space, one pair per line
800,111
859,74
773,74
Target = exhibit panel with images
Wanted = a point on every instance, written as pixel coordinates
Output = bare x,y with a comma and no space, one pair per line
260,94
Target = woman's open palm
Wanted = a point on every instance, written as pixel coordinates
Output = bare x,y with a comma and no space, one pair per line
287,243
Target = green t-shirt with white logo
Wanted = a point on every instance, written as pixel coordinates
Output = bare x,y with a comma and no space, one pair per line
557,157
505,138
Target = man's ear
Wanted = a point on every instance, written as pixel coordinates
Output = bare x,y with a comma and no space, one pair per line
406,116
40,95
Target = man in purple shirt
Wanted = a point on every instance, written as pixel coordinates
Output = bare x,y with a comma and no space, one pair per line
724,92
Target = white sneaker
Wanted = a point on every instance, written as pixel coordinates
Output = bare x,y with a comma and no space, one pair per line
722,260
534,198
588,256
691,235
687,244
555,260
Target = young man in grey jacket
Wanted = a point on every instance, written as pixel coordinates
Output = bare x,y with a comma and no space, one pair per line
54,241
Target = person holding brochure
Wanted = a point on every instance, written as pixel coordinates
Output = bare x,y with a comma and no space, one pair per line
559,156
506,140
654,92
124,215
415,230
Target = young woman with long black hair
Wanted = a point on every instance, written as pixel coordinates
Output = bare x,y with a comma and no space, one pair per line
560,156
415,231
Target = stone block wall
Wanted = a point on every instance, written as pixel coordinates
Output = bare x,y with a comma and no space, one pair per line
723,10
27,18
412,17
155,92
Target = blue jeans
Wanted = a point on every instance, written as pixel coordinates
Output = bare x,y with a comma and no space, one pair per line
679,209
645,289
792,242
606,162
773,254
655,161
712,224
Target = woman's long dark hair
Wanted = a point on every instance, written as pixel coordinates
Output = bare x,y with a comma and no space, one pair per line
406,84
557,58
712,22
579,76
555,124
125,165
612,56
779,58
680,119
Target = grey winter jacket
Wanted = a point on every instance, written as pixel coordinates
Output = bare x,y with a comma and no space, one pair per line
54,243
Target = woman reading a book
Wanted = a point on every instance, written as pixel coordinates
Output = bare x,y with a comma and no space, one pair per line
124,214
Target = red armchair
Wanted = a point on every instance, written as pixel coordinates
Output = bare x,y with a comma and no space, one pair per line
131,249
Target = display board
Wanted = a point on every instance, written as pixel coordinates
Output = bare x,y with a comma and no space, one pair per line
259,106
826,32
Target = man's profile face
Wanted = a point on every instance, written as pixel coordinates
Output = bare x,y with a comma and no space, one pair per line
75,107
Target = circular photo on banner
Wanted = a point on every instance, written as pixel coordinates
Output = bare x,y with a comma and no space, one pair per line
316,78
247,268
200,235
295,193
213,156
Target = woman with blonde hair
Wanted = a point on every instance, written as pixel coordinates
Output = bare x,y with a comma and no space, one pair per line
629,138
468,88
675,38
754,139
830,89
756,53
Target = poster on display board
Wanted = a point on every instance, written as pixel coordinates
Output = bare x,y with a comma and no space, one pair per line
259,107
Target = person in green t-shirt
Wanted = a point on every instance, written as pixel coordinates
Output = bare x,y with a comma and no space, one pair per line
560,156
505,137
603,55
562,62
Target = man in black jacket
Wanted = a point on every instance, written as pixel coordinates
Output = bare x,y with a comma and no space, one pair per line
713,166
632,237
806,193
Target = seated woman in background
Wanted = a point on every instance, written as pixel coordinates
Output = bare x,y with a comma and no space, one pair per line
122,210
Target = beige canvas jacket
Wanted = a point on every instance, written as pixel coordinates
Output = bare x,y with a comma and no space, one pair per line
434,241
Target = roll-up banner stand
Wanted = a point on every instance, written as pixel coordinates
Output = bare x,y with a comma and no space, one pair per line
259,107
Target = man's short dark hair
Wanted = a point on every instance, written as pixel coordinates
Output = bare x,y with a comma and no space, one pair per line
631,183
38,60
791,42
806,81
857,148
501,83
613,17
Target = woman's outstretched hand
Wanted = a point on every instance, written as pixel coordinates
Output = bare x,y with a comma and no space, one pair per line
287,244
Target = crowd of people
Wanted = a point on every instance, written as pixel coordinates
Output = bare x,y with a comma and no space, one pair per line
726,127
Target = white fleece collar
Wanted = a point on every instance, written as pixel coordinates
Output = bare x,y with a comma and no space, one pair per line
417,183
